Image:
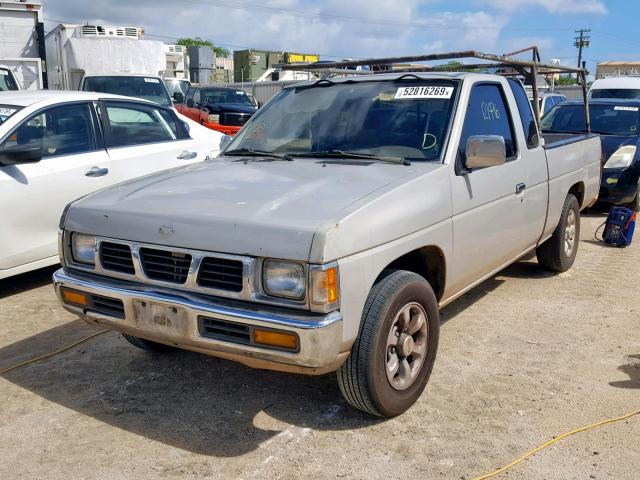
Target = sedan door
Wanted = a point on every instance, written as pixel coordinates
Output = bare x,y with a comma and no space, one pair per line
33,196
142,138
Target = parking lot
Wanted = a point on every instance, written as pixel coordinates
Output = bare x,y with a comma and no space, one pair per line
523,357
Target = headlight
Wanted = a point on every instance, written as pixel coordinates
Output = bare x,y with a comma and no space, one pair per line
214,118
324,287
622,157
284,279
83,248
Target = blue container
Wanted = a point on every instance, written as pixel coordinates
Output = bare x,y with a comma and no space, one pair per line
619,227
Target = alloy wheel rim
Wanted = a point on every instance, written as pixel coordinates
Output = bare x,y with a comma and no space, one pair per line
406,347
570,233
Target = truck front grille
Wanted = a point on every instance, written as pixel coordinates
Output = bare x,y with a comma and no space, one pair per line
116,257
164,265
235,119
221,274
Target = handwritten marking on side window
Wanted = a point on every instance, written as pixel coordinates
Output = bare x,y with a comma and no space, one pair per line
490,111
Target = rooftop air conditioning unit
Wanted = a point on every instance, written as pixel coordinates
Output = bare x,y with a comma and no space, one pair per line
102,31
179,49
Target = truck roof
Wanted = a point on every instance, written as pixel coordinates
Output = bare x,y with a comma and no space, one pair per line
616,82
397,75
24,98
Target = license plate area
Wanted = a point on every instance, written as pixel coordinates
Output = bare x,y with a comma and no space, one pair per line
165,319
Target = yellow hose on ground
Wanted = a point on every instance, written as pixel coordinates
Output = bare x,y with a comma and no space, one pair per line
557,439
48,355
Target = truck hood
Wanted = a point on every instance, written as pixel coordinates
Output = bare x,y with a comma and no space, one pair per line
252,206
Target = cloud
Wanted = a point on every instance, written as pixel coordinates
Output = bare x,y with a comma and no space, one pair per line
552,6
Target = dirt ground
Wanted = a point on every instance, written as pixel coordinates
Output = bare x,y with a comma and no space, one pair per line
523,357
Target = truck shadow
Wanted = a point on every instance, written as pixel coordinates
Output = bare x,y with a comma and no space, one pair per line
190,401
633,371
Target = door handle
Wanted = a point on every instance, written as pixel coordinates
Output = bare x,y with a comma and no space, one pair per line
186,155
96,172
520,188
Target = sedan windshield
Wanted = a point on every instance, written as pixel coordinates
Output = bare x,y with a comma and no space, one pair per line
6,111
223,95
147,88
407,119
6,81
605,119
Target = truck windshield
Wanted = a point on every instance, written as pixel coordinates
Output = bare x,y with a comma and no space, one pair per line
6,111
7,81
628,93
147,88
223,95
177,86
605,119
406,118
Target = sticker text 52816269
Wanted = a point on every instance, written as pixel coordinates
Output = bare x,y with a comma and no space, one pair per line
424,92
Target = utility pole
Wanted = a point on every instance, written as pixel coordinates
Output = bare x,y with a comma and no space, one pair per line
582,41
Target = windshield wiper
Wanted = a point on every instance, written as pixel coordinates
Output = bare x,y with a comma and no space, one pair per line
355,155
250,152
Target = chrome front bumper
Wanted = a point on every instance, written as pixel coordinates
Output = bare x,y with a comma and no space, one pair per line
319,336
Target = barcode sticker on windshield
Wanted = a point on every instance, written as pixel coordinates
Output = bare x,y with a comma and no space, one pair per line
152,80
424,92
626,109
5,112
4,72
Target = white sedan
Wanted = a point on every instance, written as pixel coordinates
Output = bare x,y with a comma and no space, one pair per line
58,146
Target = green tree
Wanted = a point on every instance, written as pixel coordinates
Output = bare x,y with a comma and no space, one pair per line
566,80
199,42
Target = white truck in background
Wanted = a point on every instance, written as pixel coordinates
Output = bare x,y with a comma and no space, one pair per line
22,48
78,51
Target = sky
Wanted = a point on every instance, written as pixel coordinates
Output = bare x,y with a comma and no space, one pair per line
376,28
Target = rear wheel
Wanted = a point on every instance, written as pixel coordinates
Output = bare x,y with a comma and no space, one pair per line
392,359
147,345
559,252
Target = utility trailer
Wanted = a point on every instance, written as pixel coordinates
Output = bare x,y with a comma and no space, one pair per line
22,47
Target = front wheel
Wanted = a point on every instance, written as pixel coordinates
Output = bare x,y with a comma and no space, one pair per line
635,203
392,359
559,252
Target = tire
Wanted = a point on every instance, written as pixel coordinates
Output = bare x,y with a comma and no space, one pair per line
147,345
559,252
635,203
366,380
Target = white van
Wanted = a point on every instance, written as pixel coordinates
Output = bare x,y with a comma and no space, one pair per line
616,87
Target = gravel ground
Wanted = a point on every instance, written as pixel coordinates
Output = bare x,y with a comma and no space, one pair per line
523,357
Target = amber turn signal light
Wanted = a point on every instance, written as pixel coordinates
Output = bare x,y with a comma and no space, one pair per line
74,297
276,339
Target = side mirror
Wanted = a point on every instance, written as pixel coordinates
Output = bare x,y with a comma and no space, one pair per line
190,103
21,154
485,151
178,97
224,142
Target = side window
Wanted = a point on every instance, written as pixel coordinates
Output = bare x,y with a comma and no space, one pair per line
487,114
64,130
196,97
189,94
132,124
525,110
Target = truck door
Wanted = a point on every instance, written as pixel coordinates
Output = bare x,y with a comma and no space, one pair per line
488,215
74,163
